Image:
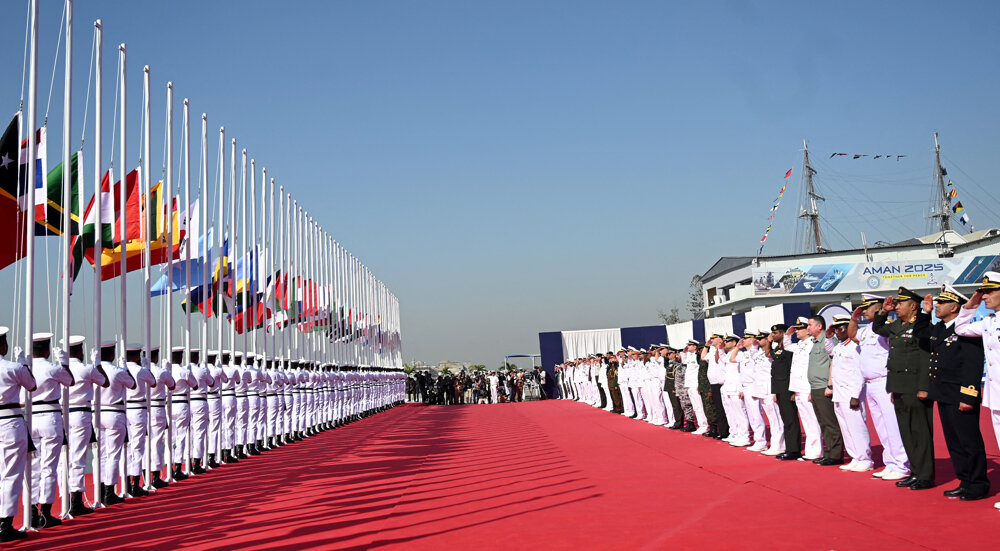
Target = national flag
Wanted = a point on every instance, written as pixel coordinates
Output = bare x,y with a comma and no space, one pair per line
957,207
12,215
49,219
181,267
41,169
83,244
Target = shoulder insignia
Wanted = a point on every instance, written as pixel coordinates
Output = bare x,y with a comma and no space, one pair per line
970,390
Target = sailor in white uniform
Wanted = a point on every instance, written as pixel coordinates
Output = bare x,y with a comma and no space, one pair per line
47,427
114,424
180,410
14,377
81,419
158,422
138,417
849,397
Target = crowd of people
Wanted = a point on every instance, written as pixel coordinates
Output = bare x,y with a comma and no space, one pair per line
762,389
480,387
221,409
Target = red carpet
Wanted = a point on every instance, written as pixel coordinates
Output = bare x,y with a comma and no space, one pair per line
546,475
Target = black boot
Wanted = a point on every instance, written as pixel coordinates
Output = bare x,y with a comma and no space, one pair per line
7,531
109,496
135,488
228,456
196,467
179,473
212,462
36,518
252,449
77,507
238,453
48,521
260,445
157,481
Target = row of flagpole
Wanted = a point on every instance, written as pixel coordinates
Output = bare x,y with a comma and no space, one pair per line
342,313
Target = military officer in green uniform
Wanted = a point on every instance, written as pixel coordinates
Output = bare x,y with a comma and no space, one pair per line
908,380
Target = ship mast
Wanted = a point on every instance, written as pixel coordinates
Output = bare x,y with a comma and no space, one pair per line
811,215
942,208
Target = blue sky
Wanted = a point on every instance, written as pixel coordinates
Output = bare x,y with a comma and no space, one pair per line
509,168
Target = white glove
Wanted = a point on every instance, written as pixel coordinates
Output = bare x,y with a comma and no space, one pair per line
121,359
93,357
19,356
59,355
144,362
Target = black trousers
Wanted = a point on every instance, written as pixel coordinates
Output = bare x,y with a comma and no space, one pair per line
965,446
604,397
675,404
916,427
721,423
833,440
790,418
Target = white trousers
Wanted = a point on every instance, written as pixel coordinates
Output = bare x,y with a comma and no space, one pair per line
627,404
995,415
137,434
756,418
698,407
253,420
884,418
13,453
242,416
81,426
228,422
181,415
814,435
668,407
214,423
774,421
158,438
47,433
739,427
114,426
854,427
199,427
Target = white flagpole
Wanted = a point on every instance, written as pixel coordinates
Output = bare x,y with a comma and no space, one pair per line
29,237
146,259
167,351
123,220
233,252
221,223
283,281
206,265
98,241
187,255
297,234
272,267
67,259
255,256
262,273
243,246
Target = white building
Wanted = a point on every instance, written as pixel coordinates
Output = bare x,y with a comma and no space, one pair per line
739,284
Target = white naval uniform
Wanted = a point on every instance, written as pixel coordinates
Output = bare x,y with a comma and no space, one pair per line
81,419
739,427
874,356
199,410
253,404
659,382
845,370
214,395
13,434
114,423
691,367
798,382
989,330
763,395
242,405
47,427
138,417
158,422
180,410
747,361
231,377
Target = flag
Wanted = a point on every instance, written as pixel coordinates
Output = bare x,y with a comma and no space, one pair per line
49,219
180,268
957,207
953,193
789,173
12,248
93,222
950,183
964,219
41,169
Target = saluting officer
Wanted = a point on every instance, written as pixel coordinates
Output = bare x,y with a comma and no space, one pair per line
908,380
956,370
14,376
988,294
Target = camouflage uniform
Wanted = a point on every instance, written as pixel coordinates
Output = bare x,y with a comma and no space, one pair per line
704,387
682,393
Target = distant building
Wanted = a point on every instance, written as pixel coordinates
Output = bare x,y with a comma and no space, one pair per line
739,284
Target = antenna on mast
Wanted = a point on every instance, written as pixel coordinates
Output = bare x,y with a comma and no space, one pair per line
813,239
941,209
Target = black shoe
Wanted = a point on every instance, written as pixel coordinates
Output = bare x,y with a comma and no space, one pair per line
158,482
818,460
135,488
36,518
7,531
710,434
689,428
957,492
109,496
196,467
212,462
828,461
720,437
906,481
238,453
974,496
788,456
923,485
77,507
252,449
46,513
179,473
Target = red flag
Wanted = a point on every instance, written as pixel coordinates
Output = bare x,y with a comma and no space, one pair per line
789,173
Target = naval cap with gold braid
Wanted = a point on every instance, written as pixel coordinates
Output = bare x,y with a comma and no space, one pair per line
991,282
871,300
950,294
